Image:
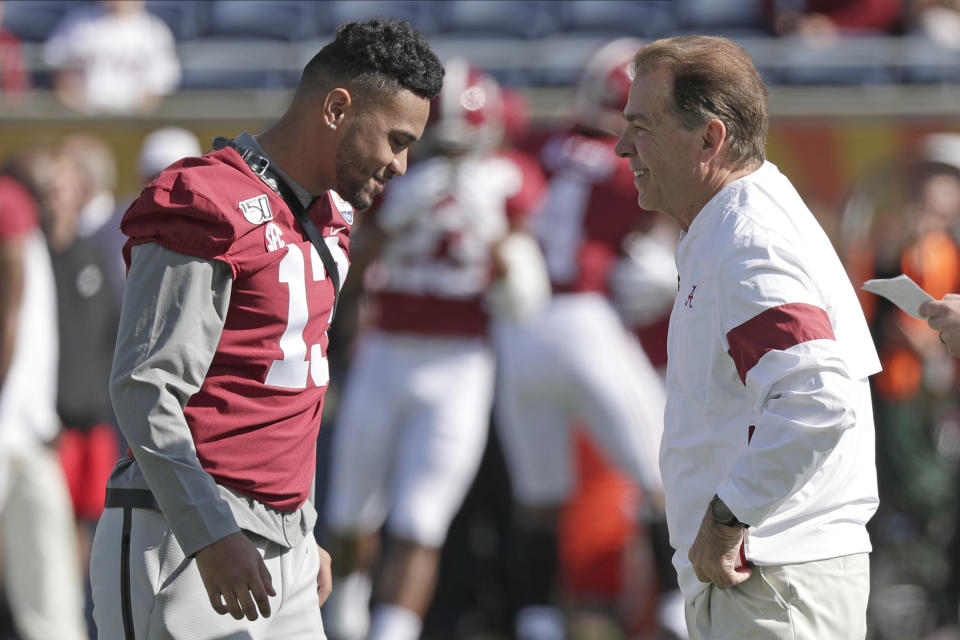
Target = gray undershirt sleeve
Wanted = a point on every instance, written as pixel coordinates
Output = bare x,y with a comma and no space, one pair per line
174,309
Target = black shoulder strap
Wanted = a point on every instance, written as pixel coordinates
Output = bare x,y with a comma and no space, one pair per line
260,165
300,213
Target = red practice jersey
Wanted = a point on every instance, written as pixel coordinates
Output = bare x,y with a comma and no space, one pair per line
256,416
442,220
590,209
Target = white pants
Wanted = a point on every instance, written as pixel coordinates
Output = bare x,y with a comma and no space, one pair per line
41,562
822,600
166,599
409,435
575,362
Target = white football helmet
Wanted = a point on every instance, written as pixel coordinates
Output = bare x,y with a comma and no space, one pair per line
469,113
604,84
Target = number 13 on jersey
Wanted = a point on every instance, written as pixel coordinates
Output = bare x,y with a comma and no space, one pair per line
297,364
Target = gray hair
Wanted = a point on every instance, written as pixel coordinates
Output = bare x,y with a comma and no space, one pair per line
714,78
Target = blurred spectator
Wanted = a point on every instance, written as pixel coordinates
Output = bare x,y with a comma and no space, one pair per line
97,172
163,147
37,530
88,313
916,403
13,75
160,148
576,363
444,240
827,19
939,20
112,57
93,171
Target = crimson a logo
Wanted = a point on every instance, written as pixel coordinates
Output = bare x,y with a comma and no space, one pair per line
689,301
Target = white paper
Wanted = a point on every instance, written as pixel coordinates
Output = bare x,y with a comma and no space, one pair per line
901,291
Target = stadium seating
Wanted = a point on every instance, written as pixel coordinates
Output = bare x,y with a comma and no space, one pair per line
418,13
607,18
242,44
187,20
277,19
730,18
497,18
35,21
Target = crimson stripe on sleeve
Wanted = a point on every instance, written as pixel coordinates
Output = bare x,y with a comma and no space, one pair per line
777,328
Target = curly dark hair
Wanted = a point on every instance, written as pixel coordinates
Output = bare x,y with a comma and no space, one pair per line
382,54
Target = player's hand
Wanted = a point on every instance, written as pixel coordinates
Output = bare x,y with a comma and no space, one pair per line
235,577
324,576
944,316
715,554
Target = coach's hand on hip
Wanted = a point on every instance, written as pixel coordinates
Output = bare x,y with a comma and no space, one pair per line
232,571
715,553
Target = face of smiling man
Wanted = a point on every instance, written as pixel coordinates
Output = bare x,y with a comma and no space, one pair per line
374,148
665,157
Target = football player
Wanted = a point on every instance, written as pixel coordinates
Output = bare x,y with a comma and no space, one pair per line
577,362
234,265
413,422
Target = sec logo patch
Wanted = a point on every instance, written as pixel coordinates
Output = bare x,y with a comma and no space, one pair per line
273,237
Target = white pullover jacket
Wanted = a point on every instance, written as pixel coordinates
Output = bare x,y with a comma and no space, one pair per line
768,403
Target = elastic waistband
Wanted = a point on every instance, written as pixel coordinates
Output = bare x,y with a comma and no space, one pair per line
134,498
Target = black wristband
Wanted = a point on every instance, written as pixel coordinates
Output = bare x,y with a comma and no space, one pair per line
722,514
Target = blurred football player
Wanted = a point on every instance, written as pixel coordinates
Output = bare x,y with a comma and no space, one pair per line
578,362
414,417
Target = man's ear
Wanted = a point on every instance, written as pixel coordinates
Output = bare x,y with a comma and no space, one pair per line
713,139
336,105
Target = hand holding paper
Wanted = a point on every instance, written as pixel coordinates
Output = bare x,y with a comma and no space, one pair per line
944,316
901,291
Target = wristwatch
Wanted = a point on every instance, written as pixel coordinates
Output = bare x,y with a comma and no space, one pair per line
722,514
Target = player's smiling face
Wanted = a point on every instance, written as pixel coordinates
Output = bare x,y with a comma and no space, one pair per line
374,147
